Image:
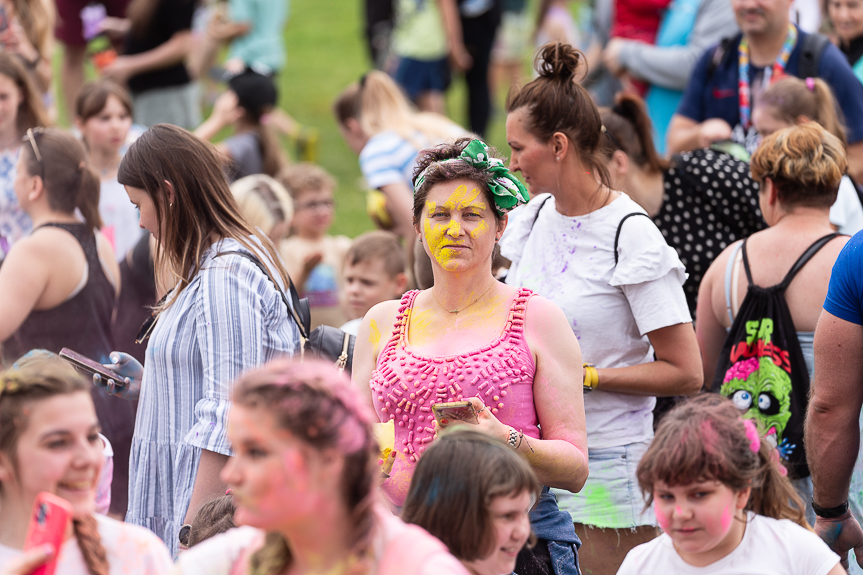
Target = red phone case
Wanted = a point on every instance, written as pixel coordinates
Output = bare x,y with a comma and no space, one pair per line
48,522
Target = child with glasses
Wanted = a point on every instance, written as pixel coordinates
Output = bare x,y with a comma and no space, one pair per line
313,258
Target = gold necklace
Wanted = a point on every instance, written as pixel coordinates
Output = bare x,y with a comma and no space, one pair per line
458,311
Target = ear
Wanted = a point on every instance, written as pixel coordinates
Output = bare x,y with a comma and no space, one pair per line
501,226
79,124
169,187
559,145
401,285
619,163
7,471
353,126
37,188
770,191
743,497
802,119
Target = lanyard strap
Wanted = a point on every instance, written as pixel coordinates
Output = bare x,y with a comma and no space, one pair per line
770,74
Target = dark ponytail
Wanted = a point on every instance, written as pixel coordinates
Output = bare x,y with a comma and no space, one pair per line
556,102
272,156
68,180
627,127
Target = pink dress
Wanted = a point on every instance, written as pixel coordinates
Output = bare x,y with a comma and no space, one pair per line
406,384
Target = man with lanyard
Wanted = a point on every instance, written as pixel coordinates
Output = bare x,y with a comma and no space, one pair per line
729,78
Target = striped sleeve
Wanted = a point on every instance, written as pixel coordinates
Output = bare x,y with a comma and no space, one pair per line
230,330
387,159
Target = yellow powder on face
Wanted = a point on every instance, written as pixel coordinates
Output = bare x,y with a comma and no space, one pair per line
439,236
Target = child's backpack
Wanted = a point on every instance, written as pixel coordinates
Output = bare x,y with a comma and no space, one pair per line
761,367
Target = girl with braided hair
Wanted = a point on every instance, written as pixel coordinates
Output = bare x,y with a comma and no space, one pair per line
304,480
49,441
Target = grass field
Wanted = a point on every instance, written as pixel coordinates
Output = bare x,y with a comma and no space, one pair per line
326,52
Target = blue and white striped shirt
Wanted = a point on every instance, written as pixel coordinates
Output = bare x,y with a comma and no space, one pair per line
229,319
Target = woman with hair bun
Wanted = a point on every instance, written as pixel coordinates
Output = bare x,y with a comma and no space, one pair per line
701,201
592,251
304,481
799,170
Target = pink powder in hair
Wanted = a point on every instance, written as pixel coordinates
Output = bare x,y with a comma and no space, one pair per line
741,370
752,435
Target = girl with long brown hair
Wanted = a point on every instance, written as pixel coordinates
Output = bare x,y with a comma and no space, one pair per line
20,108
304,480
49,442
722,498
223,314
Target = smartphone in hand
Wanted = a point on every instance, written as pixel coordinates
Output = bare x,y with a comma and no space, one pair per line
87,365
48,522
446,413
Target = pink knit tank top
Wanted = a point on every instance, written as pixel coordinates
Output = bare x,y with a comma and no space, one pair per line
406,384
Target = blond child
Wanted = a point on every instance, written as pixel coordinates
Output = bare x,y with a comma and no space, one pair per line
313,258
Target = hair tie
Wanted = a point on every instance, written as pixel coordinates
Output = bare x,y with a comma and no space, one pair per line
752,435
810,83
506,190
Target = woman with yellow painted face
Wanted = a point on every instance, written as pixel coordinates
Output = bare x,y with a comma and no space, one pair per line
508,352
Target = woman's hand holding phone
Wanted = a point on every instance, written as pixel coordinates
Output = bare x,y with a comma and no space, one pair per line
486,420
29,561
132,372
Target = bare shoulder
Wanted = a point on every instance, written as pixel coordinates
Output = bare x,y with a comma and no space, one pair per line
382,317
540,311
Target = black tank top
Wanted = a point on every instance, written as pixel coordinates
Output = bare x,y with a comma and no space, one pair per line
82,323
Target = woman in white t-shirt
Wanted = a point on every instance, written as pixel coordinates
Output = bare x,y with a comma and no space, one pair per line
50,442
103,115
723,501
620,286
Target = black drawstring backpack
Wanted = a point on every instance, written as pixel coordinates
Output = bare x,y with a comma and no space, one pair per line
761,367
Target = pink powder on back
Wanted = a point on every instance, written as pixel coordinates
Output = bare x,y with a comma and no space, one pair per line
741,370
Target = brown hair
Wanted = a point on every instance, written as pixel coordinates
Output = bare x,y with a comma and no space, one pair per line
379,105
37,379
380,245
627,127
790,97
37,19
31,112
69,181
556,102
705,439
805,162
94,96
203,204
213,517
454,484
445,172
305,177
317,405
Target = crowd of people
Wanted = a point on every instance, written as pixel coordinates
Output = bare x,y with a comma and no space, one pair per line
633,345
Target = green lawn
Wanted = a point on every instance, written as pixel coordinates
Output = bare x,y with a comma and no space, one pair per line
326,52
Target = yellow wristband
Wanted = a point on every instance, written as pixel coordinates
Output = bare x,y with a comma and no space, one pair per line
591,377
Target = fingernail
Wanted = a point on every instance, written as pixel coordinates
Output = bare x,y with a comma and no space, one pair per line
115,358
47,549
443,421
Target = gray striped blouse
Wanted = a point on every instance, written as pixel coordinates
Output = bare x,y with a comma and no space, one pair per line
229,319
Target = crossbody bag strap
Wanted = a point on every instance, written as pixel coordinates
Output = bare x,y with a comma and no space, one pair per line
620,227
295,297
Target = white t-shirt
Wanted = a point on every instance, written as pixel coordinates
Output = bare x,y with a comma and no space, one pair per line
570,260
769,547
846,213
119,218
131,550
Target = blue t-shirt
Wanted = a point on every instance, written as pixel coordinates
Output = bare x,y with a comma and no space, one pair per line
845,294
717,96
